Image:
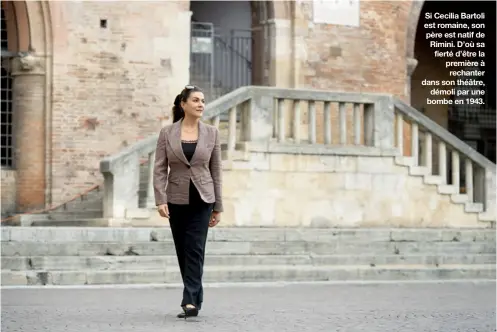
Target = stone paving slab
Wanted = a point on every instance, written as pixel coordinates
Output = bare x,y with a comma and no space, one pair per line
409,307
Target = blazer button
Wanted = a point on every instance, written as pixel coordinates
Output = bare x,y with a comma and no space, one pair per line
188,166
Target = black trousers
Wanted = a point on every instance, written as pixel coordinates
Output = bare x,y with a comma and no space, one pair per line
189,227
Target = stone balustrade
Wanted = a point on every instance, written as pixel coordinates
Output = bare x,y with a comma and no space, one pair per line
445,160
270,119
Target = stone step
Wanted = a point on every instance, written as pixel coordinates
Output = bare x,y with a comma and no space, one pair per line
236,234
244,248
240,273
74,223
74,263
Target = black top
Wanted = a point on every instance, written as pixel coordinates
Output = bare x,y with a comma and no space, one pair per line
189,149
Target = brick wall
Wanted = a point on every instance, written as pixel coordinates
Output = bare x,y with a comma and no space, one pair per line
369,58
112,86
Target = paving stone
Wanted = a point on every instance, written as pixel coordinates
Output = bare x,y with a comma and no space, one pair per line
444,307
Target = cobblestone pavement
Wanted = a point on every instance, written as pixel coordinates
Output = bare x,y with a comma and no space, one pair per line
448,307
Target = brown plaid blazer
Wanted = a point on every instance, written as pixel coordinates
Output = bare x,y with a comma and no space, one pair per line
204,169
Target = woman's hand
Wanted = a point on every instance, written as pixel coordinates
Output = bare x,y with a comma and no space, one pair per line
163,211
215,218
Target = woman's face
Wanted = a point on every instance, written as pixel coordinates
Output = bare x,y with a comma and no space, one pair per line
194,105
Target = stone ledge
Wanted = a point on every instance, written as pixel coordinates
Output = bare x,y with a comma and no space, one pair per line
315,149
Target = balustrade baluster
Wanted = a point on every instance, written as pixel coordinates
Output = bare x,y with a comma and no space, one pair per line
232,130
400,133
312,122
442,161
343,123
428,151
296,121
415,143
469,179
216,120
357,124
327,123
281,120
456,170
150,183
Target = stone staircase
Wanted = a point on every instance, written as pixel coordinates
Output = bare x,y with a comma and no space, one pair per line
318,137
96,256
444,189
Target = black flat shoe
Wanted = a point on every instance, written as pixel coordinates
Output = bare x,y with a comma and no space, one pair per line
188,312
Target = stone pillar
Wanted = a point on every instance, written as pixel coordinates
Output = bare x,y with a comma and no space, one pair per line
281,72
259,128
28,89
300,27
259,43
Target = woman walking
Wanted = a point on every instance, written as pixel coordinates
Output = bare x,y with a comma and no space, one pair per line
189,193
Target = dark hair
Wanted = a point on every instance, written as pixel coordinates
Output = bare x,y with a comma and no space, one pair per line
178,112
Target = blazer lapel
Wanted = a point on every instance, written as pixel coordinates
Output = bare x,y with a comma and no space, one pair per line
202,133
175,142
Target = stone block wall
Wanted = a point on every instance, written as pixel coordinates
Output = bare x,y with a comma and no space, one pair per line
8,192
334,191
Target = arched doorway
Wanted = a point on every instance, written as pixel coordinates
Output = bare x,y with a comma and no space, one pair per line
26,43
230,45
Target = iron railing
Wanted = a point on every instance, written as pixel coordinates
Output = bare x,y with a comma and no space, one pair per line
220,62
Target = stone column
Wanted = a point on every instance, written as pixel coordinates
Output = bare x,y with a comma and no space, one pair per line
281,73
300,27
28,89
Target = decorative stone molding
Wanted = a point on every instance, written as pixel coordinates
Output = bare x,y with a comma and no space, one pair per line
27,64
411,65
